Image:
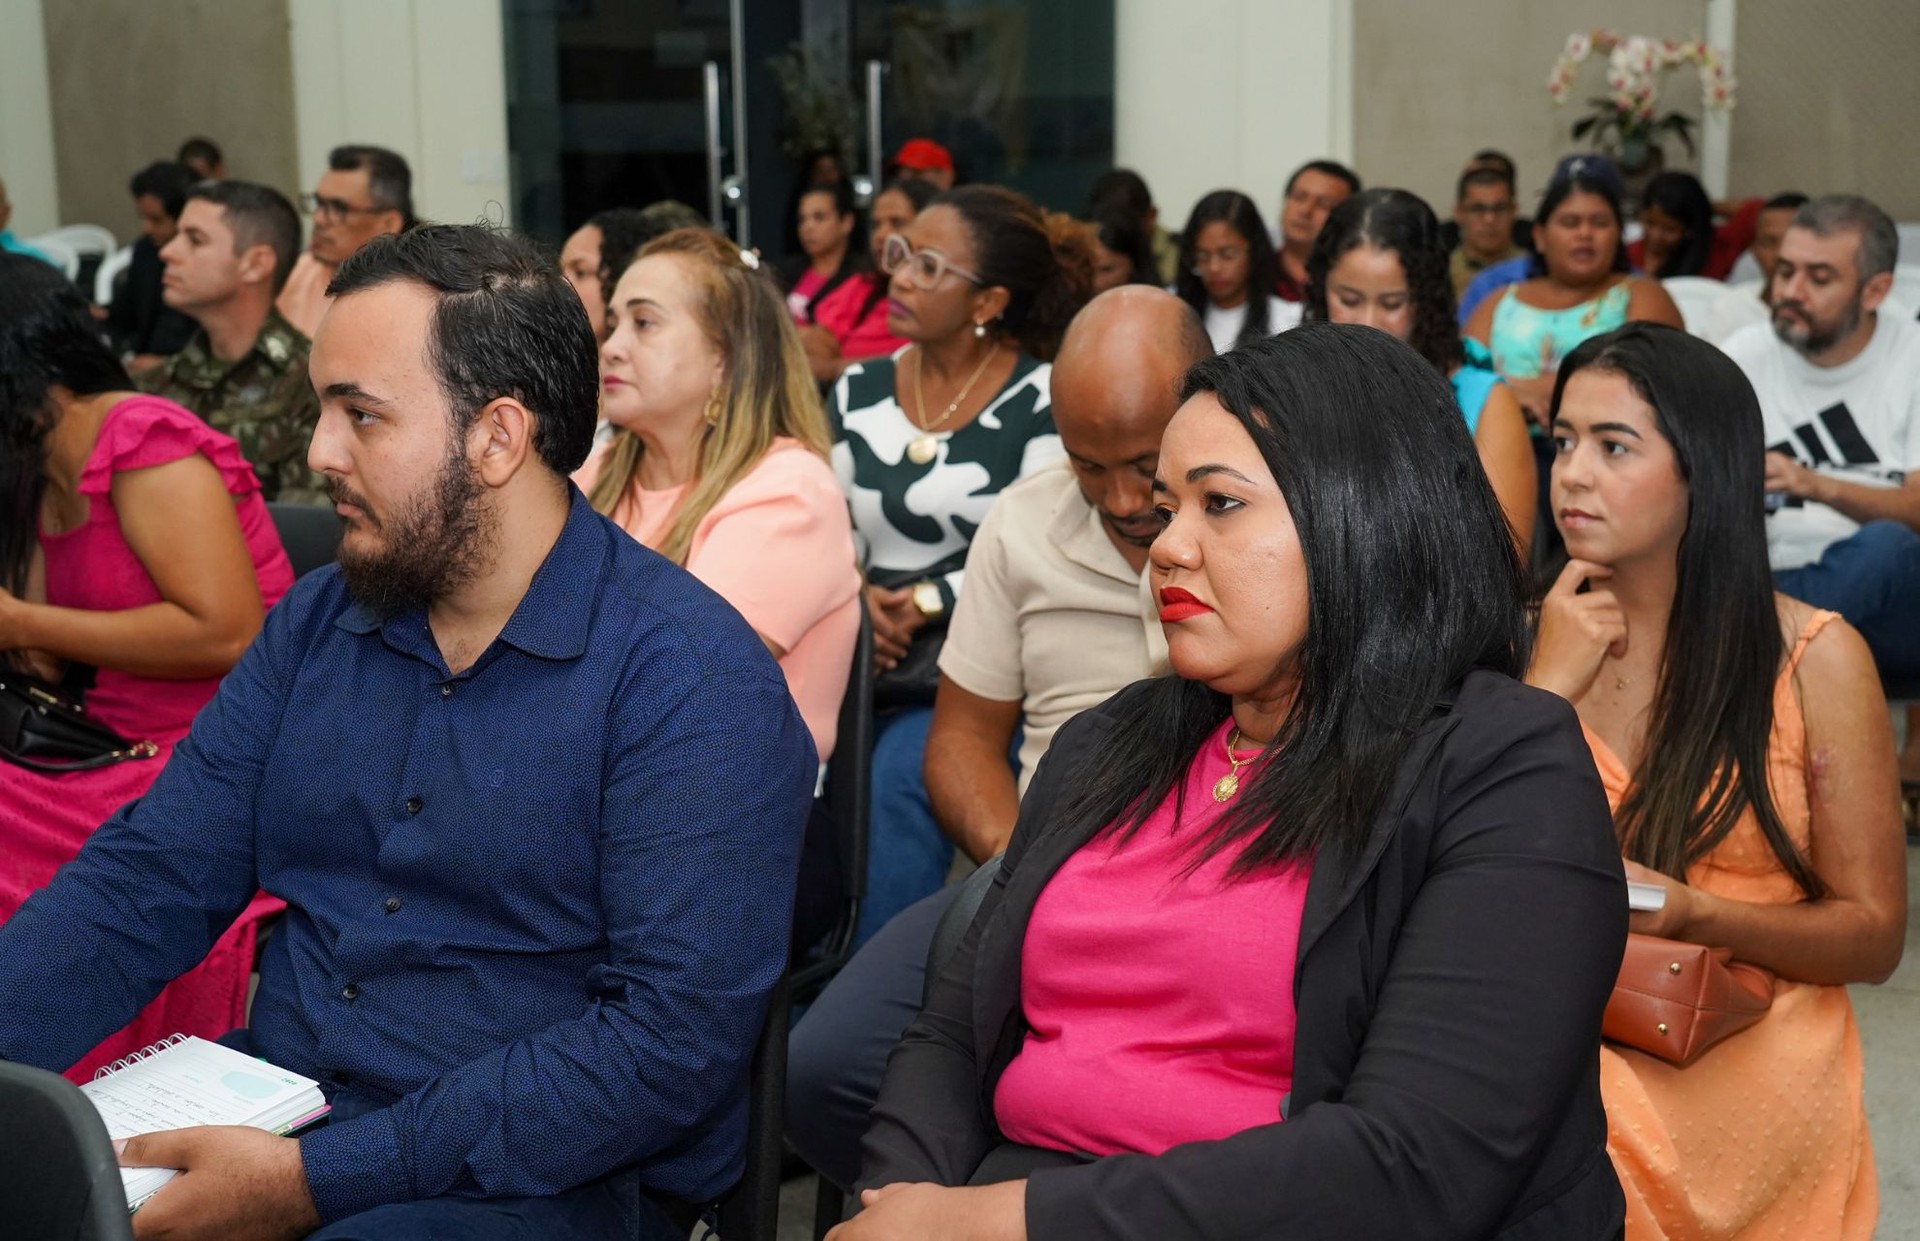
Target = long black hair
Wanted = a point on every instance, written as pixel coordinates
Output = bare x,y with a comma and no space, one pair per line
1122,232
1412,582
1680,195
1705,760
1403,225
47,338
1580,182
1237,211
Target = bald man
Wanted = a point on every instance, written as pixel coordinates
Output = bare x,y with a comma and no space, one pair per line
1054,620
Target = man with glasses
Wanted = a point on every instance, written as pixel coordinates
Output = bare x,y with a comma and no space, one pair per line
1483,211
366,192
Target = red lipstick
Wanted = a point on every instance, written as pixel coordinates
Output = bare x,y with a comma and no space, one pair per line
1177,605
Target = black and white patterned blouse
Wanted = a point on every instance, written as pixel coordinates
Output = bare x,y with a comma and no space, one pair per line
916,521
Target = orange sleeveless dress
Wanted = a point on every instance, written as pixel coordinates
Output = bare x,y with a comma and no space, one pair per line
1766,1135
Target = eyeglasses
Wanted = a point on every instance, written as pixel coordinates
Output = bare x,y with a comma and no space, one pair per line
1225,256
334,208
923,269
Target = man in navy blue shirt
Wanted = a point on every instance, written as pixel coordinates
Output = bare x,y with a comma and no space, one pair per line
532,794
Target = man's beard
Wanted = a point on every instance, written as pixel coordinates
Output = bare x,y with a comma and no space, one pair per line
1810,339
433,545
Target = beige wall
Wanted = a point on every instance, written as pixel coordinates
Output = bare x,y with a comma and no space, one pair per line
132,79
26,125
1829,95
1435,82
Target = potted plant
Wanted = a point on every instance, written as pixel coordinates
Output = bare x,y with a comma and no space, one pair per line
1624,122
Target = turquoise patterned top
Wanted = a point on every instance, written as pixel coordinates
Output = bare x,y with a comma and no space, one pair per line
1528,342
1473,381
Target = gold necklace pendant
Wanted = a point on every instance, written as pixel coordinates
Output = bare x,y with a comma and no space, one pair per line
1225,787
923,449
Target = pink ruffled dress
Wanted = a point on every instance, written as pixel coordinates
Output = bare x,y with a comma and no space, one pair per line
44,819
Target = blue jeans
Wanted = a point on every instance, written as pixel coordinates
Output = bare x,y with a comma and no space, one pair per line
1872,578
907,856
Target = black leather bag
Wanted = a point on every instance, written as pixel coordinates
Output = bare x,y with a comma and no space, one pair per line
44,729
912,681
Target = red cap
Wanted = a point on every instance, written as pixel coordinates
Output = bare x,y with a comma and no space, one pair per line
924,155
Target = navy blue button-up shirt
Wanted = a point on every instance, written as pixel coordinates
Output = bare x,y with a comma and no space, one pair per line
535,908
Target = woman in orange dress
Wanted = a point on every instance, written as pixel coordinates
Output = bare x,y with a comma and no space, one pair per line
1745,746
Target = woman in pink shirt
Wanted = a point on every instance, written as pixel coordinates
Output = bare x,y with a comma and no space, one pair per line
847,322
1312,938
719,458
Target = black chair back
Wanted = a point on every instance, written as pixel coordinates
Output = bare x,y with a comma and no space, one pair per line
58,1176
849,799
953,924
309,532
751,1209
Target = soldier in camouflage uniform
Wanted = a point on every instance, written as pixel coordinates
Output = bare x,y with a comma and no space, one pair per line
262,400
245,370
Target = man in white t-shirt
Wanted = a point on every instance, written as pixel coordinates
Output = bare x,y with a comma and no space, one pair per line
1055,619
1839,388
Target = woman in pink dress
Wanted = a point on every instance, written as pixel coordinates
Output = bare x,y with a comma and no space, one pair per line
135,543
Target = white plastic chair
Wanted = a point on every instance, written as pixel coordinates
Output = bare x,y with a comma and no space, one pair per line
1694,295
110,267
64,256
1906,284
82,239
1909,244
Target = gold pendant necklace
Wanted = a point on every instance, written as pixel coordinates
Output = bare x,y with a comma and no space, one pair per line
1226,786
926,445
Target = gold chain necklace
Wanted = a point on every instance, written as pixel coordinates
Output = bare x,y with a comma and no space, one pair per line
1229,784
926,444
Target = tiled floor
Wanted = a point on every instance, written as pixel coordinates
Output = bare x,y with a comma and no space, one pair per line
1890,1027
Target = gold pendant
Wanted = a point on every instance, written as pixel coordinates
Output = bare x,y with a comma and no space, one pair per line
923,450
1226,787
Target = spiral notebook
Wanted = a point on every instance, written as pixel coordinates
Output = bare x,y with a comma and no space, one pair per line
183,1081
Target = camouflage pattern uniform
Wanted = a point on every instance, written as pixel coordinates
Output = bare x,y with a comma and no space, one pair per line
263,400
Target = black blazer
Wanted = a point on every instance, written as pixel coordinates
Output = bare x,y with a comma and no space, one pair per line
1448,991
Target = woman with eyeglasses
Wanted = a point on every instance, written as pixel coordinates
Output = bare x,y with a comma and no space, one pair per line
1226,264
981,285
849,323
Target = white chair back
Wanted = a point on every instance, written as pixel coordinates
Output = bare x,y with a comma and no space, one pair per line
1906,284
110,268
83,239
1694,295
64,256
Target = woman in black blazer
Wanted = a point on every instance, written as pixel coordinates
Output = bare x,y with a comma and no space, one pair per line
1343,609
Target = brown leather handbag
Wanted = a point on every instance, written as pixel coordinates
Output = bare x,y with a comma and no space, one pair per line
1675,1000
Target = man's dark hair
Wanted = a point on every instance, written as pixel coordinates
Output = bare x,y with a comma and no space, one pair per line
259,216
1792,199
1123,186
389,180
1326,168
202,149
507,323
1489,155
166,181
1482,176
1412,581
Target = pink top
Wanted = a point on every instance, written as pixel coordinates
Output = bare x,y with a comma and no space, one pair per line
802,292
1159,1001
778,547
860,336
92,567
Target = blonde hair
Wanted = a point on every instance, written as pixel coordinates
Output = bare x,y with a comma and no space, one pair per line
766,389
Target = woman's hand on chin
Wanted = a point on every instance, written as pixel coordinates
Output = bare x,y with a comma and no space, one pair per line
924,1212
1577,630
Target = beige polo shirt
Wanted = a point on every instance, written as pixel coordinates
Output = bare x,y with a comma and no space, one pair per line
1051,617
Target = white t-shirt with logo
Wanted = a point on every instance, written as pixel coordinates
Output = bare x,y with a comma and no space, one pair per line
1859,422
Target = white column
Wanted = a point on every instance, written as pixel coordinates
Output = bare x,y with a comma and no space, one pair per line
1230,94
424,77
26,120
1716,128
